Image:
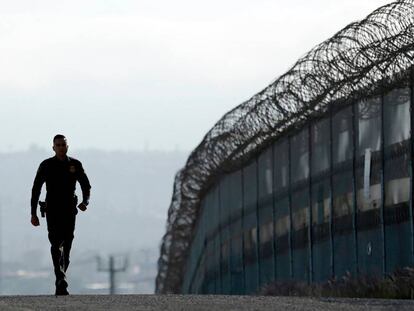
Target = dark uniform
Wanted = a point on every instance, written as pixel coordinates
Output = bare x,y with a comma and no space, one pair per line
60,177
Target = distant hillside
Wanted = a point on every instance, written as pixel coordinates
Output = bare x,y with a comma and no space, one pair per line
131,192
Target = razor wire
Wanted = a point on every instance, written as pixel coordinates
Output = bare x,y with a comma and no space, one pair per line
378,50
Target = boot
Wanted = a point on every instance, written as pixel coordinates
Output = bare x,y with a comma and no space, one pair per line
61,288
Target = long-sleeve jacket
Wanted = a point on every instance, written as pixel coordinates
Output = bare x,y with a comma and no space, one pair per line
60,177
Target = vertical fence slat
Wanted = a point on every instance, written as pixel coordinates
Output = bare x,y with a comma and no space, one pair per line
354,196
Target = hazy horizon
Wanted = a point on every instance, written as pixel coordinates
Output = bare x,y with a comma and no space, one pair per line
73,149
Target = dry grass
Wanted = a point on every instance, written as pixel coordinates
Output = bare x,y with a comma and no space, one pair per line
398,285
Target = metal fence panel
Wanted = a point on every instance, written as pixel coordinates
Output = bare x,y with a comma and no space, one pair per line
369,194
321,200
236,231
265,217
251,266
299,160
225,210
215,219
342,193
282,210
397,179
321,231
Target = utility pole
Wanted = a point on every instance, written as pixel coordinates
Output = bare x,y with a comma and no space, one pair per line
112,270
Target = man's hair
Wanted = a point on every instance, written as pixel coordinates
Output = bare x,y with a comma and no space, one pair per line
58,136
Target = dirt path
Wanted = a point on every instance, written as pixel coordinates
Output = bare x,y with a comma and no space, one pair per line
190,302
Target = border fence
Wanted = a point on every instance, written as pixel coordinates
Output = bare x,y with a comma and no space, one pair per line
308,179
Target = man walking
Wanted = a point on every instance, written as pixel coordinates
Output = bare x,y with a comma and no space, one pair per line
60,173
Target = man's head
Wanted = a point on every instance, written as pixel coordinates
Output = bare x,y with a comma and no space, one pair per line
60,145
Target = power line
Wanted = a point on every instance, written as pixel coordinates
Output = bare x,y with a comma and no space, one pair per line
112,270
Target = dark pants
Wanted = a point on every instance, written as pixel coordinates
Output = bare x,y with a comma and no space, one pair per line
61,228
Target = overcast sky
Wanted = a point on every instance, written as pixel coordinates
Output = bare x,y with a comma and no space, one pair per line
147,74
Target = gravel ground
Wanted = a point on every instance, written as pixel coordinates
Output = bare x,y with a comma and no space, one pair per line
193,302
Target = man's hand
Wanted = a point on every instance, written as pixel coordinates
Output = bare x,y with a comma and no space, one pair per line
35,221
82,207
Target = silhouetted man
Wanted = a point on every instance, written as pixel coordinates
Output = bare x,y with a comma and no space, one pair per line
60,173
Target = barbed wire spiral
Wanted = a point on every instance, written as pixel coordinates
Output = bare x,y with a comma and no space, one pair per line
378,50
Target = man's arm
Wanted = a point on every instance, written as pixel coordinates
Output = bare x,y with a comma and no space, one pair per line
36,189
85,186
